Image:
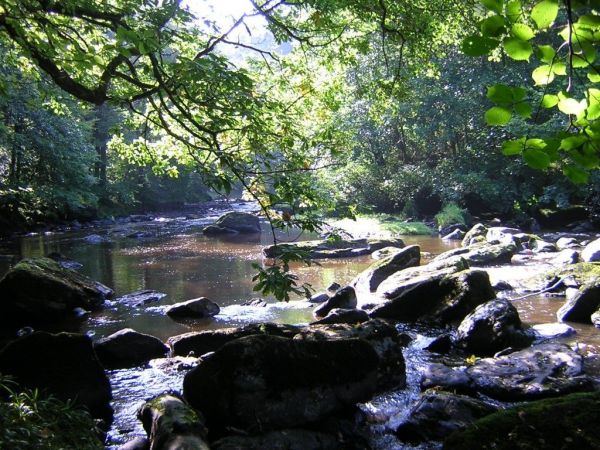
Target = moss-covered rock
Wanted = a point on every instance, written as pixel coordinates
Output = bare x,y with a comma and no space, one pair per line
569,422
482,255
40,290
477,231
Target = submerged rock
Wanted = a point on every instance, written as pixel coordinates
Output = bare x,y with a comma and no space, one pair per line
64,365
38,290
201,342
438,414
97,239
338,315
370,279
264,383
140,298
128,348
65,262
196,308
443,298
234,222
491,327
171,424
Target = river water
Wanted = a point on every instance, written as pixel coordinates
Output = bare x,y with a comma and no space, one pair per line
175,258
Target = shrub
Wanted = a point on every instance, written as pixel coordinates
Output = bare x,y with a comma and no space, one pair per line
451,214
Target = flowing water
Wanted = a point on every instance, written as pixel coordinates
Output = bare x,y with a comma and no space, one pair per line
175,258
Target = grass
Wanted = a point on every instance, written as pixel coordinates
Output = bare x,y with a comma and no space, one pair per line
30,421
382,225
451,214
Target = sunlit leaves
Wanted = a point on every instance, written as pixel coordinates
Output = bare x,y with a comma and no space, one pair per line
571,106
478,45
522,32
546,53
544,13
494,5
513,10
498,115
543,75
517,49
492,26
549,101
576,174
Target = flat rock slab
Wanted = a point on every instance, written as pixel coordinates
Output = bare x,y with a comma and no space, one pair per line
334,248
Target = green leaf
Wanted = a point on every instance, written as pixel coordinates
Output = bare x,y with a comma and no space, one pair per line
498,115
500,93
572,142
518,93
585,54
535,143
559,68
535,158
589,21
544,13
492,26
517,49
546,53
513,147
576,174
543,75
524,109
494,5
476,45
593,109
571,106
513,10
522,32
593,75
549,101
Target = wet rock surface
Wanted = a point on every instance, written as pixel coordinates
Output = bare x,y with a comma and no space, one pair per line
339,315
371,278
196,308
345,298
128,348
140,298
581,306
335,248
234,222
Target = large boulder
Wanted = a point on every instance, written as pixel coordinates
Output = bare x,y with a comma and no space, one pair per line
235,222
64,365
591,252
545,370
196,308
438,414
172,425
370,279
128,348
581,306
441,299
334,248
39,290
477,231
501,234
482,255
339,315
569,423
201,342
491,327
264,383
345,298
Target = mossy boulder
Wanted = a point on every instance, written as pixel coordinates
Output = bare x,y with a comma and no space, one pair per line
39,290
477,231
264,383
482,255
573,275
569,423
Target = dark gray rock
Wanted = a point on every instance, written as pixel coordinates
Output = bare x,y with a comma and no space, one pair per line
64,365
256,302
477,231
440,299
442,344
39,291
265,383
65,262
456,235
345,298
214,230
444,231
97,239
582,305
370,279
441,376
482,255
138,443
128,348
338,315
334,248
319,298
438,414
502,286
333,288
196,308
140,298
171,424
236,222
201,342
491,327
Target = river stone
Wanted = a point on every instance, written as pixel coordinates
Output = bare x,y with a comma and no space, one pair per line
478,230
444,231
171,424
440,376
483,255
552,330
239,221
565,257
64,365
567,242
338,315
545,370
342,248
441,299
438,414
137,443
65,262
128,348
569,423
345,298
38,290
591,252
385,252
491,327
196,308
540,246
456,235
201,342
441,344
290,439
140,298
214,230
582,305
319,298
501,234
265,383
370,279
595,318
383,337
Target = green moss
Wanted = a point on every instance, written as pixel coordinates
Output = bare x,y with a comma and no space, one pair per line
583,273
31,421
408,228
569,422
